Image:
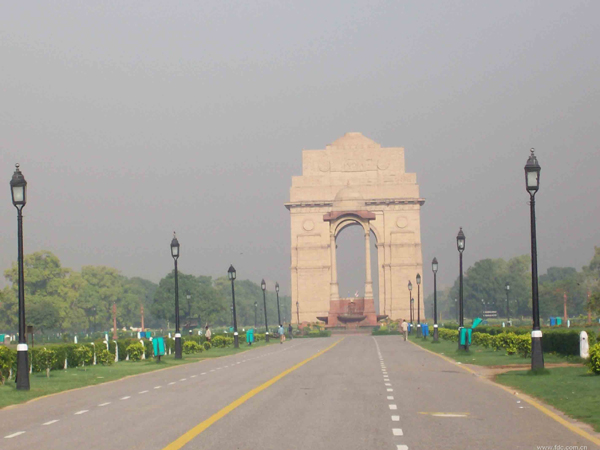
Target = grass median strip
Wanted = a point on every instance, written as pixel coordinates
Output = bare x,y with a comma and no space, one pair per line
191,434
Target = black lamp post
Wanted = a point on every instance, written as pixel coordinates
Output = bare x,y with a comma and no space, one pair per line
434,267
175,255
231,275
18,188
460,244
263,286
412,307
418,304
298,312
532,182
278,311
411,301
255,310
456,309
507,304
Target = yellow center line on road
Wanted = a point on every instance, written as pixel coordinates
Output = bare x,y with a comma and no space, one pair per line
191,434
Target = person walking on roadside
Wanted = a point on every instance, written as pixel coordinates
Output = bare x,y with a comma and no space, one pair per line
404,329
281,332
290,330
208,333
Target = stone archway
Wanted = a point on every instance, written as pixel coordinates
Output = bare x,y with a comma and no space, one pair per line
354,180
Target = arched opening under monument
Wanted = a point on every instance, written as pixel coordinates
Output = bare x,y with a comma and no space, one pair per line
350,252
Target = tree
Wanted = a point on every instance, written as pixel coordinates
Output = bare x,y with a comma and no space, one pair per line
204,303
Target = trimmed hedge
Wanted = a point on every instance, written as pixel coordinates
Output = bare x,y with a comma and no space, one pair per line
561,341
594,362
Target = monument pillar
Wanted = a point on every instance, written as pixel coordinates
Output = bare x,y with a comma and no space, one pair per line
335,295
368,280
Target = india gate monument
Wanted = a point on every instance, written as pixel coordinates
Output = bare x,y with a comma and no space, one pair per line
354,181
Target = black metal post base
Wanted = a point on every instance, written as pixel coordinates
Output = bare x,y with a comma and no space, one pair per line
267,336
178,347
22,369
435,334
537,355
236,341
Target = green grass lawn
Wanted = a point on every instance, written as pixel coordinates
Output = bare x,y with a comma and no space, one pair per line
573,390
73,378
483,356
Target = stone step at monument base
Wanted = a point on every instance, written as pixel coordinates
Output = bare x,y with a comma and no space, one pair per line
357,330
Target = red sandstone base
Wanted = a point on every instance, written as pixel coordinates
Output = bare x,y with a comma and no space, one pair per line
352,313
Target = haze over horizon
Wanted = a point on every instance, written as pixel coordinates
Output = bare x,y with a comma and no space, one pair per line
132,120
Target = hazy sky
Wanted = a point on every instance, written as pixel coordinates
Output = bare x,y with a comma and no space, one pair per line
133,119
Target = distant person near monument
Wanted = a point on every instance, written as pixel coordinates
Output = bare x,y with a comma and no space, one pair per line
281,332
208,333
404,329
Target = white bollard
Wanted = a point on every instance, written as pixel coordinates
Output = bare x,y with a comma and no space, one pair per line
75,339
106,342
144,352
503,325
138,334
94,351
584,345
568,323
66,364
116,351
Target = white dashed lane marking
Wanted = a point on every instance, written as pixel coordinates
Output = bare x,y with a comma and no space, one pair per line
393,407
104,404
143,392
183,379
401,447
50,423
81,412
171,383
193,376
390,397
10,436
127,397
397,431
390,390
396,418
157,387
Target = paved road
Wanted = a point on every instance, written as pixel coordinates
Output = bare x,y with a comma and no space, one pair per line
364,393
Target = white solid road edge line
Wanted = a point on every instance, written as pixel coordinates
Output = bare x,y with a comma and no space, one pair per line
10,436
